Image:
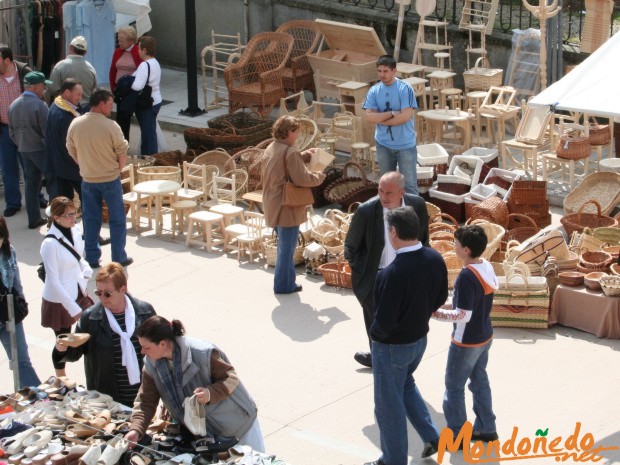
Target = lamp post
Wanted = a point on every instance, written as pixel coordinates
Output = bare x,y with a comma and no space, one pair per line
192,79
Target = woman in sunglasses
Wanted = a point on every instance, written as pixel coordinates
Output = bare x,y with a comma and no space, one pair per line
112,357
66,273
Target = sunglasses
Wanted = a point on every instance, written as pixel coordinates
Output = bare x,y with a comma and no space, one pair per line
69,215
106,294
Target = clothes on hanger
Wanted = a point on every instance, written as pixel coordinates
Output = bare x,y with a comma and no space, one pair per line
97,19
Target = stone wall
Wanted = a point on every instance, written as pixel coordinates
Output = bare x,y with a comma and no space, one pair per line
250,17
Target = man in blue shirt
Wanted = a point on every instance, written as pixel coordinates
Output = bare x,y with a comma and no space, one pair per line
390,104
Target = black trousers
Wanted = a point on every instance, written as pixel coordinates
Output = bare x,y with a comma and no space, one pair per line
123,118
368,306
66,187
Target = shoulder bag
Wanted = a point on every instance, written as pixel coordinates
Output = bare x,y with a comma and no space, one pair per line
145,100
295,196
41,268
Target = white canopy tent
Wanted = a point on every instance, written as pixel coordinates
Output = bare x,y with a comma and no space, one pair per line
128,11
591,87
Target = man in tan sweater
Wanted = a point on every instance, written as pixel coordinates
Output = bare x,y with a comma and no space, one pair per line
97,145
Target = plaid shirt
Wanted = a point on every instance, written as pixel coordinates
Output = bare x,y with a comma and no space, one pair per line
9,91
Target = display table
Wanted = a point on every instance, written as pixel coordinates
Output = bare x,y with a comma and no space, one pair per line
157,189
435,120
590,311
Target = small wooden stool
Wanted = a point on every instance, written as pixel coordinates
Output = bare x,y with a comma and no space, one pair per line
441,57
210,229
360,153
373,159
181,209
474,100
407,70
450,97
551,160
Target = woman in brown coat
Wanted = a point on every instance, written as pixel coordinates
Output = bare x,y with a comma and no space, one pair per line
283,160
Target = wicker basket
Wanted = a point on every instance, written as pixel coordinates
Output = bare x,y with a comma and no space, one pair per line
520,228
604,187
105,214
613,250
351,189
454,266
578,221
152,173
573,146
432,210
595,259
270,249
493,210
324,231
481,77
615,269
442,247
249,160
600,134
248,124
337,274
318,192
610,285
494,233
608,235
307,134
208,139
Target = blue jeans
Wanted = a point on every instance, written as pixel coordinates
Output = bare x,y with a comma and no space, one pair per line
34,166
9,159
468,363
27,375
407,161
92,195
284,276
148,129
397,399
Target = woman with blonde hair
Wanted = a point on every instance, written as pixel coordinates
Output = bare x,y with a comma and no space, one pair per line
64,294
125,61
284,162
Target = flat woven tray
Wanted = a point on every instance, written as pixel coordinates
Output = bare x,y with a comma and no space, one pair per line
604,187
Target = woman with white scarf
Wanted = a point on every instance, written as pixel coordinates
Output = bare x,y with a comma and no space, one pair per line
112,325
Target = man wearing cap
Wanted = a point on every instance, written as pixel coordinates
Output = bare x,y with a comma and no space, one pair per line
74,66
12,75
27,120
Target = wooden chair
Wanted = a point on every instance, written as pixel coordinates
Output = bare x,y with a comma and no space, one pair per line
224,199
252,239
256,80
298,74
195,182
131,198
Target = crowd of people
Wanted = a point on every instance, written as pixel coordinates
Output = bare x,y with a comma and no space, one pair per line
139,358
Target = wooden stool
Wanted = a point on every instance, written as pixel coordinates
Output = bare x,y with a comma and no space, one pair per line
551,160
450,97
360,152
407,70
529,155
419,89
474,100
373,159
598,149
439,80
210,229
441,56
181,209
329,142
229,212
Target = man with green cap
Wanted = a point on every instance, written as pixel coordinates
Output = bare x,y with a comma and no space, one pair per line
27,121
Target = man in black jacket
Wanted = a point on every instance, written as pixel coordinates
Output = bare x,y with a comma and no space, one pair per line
366,247
406,294
112,354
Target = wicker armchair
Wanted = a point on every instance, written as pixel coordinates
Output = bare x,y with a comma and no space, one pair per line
255,81
298,73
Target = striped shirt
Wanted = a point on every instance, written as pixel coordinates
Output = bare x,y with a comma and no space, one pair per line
126,392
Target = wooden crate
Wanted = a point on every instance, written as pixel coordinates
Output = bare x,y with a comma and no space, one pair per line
352,55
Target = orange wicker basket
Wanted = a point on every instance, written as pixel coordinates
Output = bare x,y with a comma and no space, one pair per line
578,221
573,147
337,274
493,209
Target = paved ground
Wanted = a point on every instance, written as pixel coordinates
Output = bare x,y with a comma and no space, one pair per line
295,354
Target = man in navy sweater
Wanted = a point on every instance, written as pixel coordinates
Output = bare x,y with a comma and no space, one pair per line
406,294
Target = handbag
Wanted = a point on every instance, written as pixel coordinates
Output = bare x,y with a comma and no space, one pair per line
20,306
145,100
194,416
41,269
295,196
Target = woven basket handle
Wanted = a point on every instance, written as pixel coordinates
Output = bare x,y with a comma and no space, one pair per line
485,64
228,128
527,219
352,164
511,244
598,208
438,218
353,207
517,270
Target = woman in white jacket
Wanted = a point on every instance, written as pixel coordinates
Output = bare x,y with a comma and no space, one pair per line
65,294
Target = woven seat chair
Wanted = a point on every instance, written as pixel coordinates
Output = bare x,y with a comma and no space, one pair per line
217,157
298,73
250,161
255,81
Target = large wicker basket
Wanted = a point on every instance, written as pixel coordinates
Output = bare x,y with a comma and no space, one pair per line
248,124
481,77
573,146
152,173
203,139
351,189
604,187
337,274
270,250
578,221
600,134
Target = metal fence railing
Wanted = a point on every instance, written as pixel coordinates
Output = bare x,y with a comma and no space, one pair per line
511,14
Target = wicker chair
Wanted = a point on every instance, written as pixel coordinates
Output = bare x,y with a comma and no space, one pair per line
255,81
298,73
